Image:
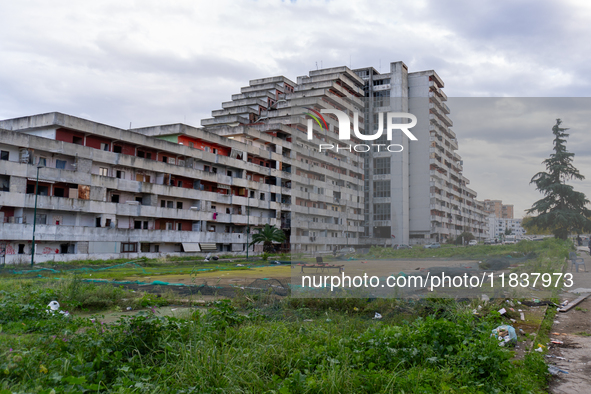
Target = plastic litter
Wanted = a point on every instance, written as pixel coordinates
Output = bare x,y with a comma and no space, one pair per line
502,311
54,306
555,371
505,334
377,316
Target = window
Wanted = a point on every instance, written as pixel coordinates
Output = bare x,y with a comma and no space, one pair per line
145,225
262,196
381,188
78,140
60,164
156,248
42,161
214,151
117,149
120,174
179,205
58,192
169,226
4,155
145,248
179,183
179,226
128,247
139,199
137,225
21,248
42,219
381,211
141,154
169,204
381,166
98,222
103,171
115,198
107,222
105,146
149,156
252,194
206,148
164,159
191,145
206,168
229,173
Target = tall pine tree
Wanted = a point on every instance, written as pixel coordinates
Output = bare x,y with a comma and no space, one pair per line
562,210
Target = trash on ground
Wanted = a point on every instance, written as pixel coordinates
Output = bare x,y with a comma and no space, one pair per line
502,311
555,371
557,342
377,316
505,334
54,306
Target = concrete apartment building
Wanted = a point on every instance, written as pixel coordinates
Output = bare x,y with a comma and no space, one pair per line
498,209
105,192
327,196
498,226
428,198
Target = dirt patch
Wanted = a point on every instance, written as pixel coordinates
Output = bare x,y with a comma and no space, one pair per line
571,357
575,321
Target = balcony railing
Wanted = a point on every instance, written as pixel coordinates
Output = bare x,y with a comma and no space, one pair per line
15,219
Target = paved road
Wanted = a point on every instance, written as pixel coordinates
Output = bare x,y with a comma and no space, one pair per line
568,327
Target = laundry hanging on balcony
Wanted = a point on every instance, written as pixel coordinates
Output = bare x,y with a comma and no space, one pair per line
215,215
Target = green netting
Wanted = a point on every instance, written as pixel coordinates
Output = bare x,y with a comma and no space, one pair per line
83,269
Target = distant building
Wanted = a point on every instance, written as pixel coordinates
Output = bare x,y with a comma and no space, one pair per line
498,226
498,209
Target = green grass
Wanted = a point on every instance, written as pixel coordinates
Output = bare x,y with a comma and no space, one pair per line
262,344
256,344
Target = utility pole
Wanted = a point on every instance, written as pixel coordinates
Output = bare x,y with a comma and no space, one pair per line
35,217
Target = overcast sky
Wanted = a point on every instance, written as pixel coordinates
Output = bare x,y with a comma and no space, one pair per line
154,62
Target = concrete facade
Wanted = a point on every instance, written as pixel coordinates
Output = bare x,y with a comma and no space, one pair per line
429,197
498,209
107,192
498,226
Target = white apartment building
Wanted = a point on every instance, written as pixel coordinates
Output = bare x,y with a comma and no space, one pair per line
498,226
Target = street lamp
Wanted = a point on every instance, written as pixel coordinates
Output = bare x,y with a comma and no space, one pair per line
35,216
